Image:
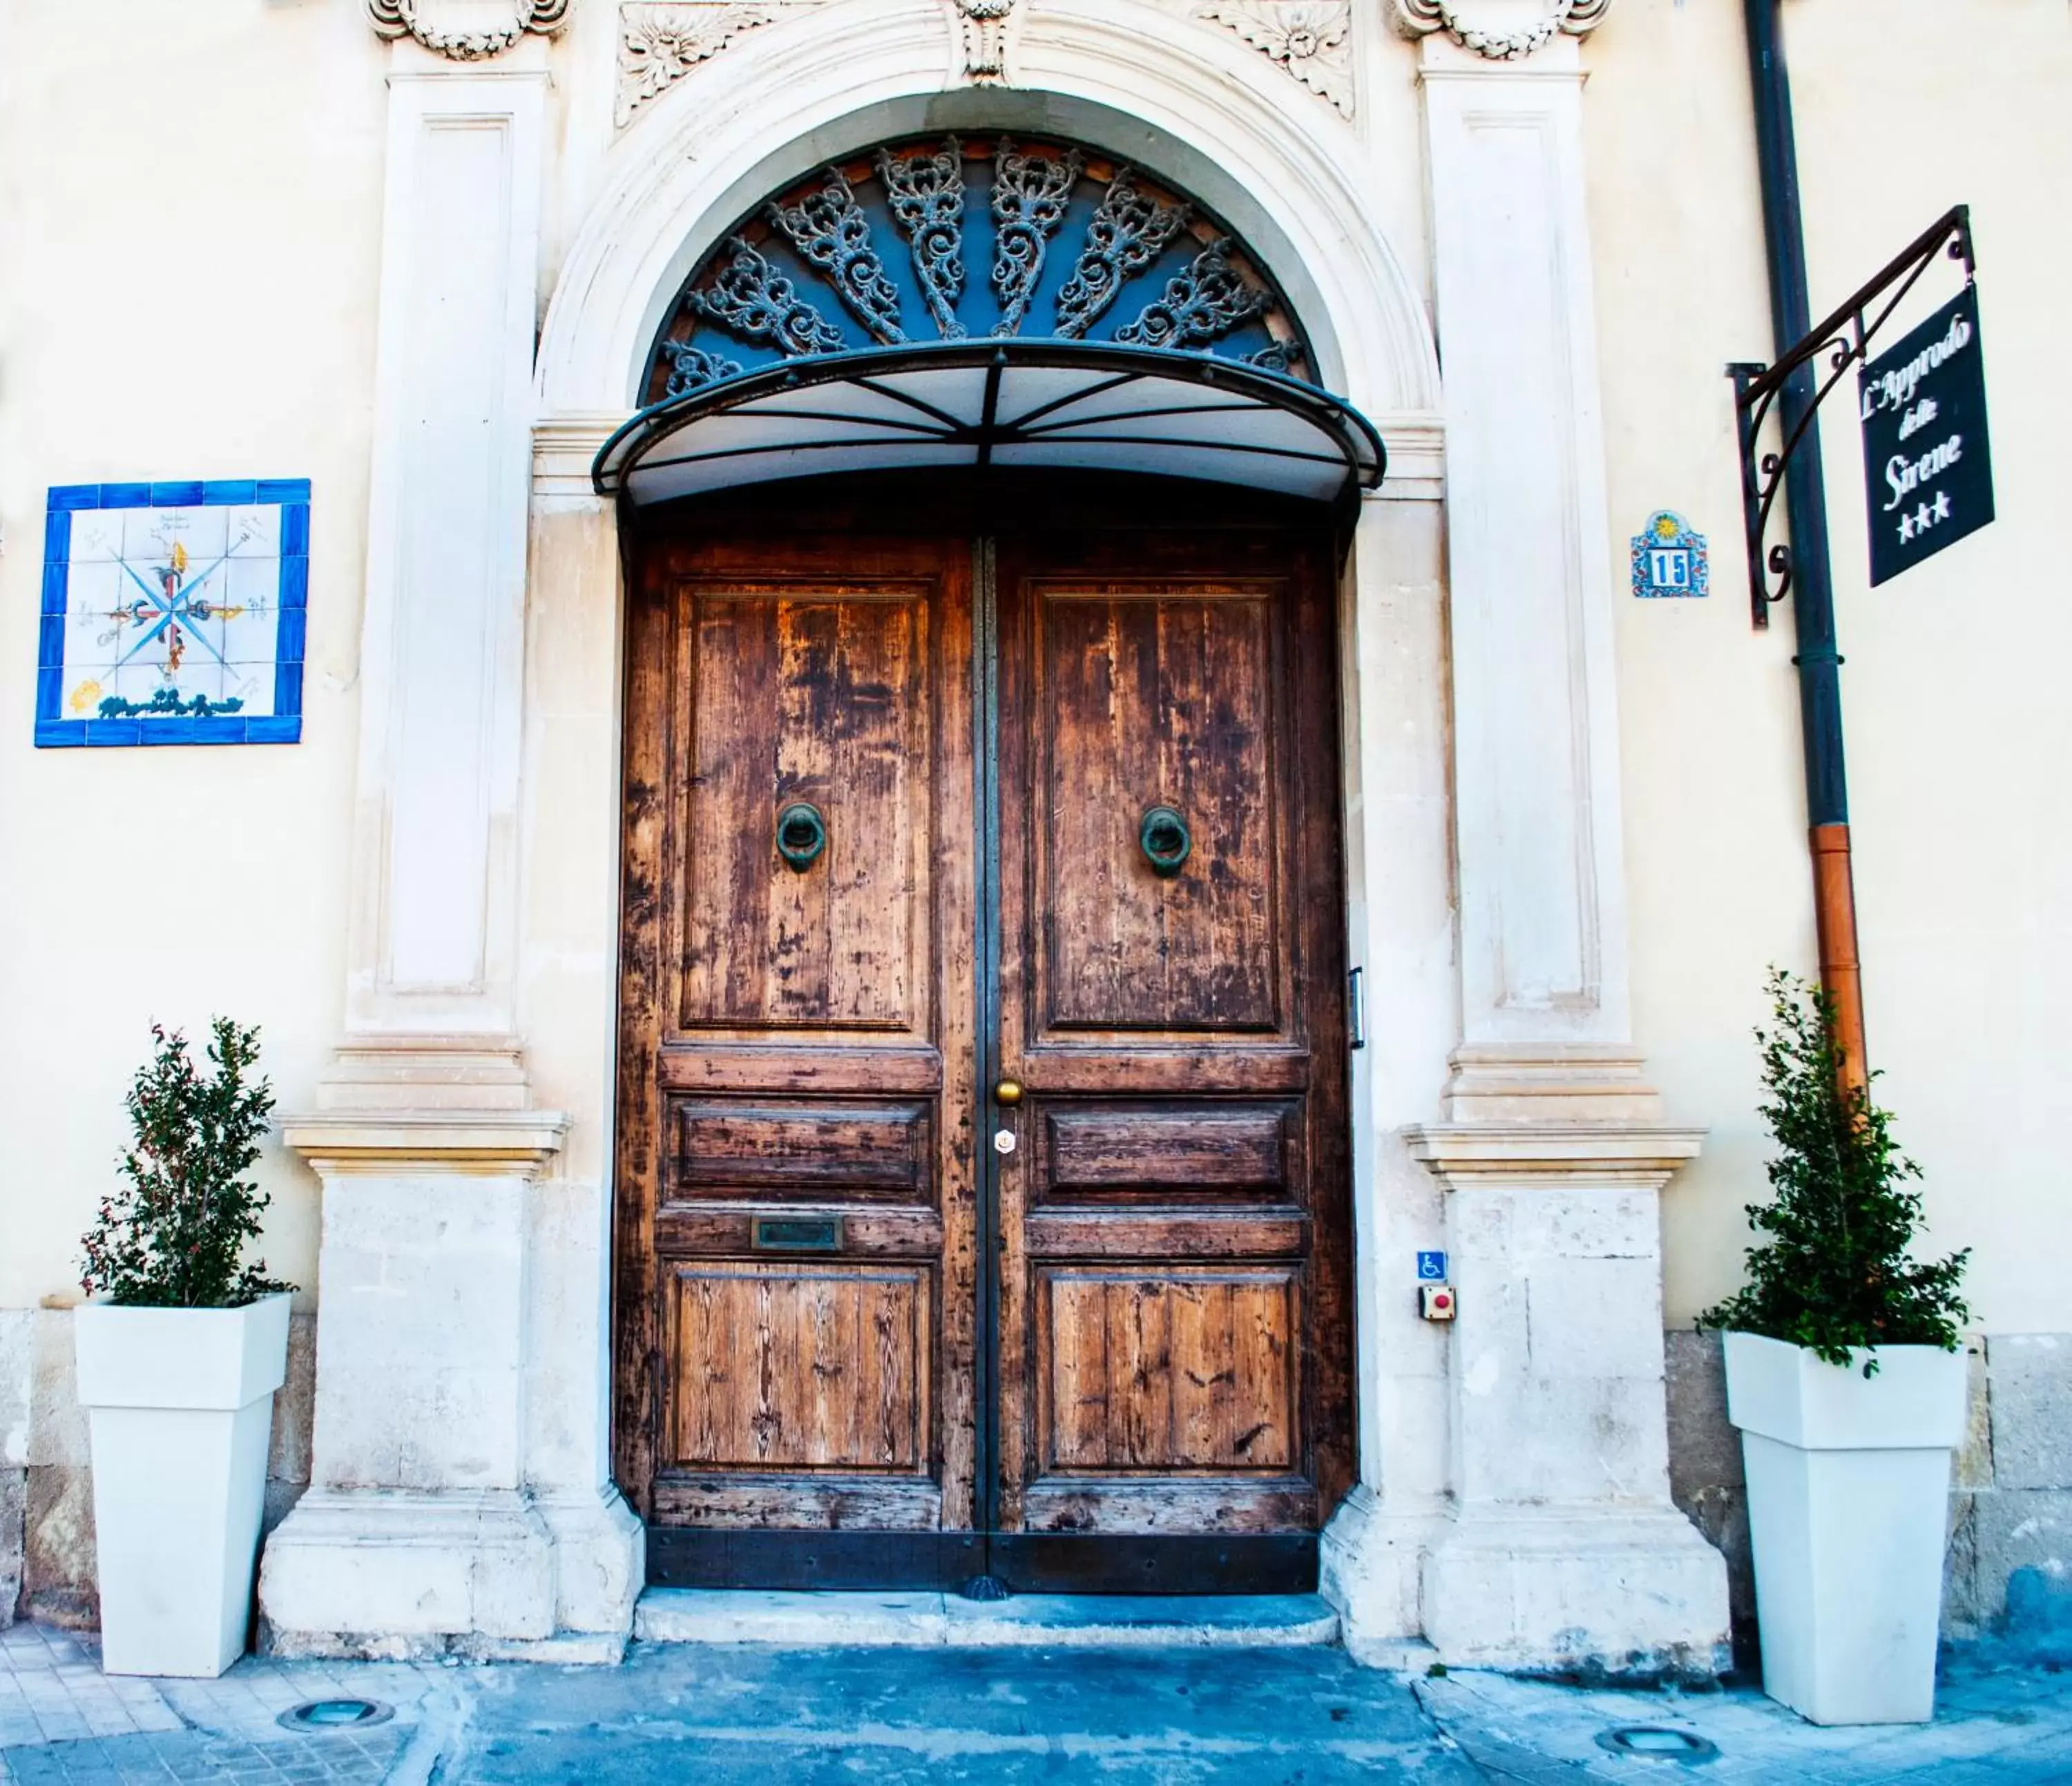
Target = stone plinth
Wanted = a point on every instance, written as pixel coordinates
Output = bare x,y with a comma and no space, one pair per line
1565,1550
424,1531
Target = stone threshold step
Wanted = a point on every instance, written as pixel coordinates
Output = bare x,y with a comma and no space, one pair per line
1091,1621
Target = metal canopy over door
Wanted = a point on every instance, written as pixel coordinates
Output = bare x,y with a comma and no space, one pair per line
982,1194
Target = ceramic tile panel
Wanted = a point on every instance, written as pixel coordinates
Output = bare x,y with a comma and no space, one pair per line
173,613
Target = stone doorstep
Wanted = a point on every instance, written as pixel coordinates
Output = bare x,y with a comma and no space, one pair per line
924,1620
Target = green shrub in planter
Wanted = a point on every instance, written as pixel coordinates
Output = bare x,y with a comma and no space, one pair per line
1835,1274
178,1354
173,1235
1848,1471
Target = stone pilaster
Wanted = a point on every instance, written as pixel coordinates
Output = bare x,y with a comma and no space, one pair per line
430,1525
1559,1546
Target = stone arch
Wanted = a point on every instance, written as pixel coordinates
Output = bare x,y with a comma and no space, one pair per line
856,70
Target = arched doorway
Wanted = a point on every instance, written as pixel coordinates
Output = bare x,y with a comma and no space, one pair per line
982,1182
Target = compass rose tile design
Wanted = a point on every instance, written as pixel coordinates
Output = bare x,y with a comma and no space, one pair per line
173,613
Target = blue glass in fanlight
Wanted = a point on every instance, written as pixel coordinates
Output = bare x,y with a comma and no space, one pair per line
950,238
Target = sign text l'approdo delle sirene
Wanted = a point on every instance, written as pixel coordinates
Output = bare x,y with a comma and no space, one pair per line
1927,469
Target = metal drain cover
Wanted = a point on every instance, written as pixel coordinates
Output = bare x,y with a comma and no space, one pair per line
1656,1744
335,1714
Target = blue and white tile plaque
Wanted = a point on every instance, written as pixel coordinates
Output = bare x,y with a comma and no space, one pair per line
173,613
1669,559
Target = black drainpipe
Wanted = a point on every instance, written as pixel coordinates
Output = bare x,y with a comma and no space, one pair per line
1812,584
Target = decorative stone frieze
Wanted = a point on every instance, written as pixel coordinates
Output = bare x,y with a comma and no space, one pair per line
661,41
1498,37
1312,39
394,18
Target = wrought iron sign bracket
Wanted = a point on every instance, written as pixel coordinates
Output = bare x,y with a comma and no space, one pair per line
1845,337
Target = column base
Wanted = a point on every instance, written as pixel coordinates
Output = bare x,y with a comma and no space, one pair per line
1607,1595
600,1561
488,1576
1369,1567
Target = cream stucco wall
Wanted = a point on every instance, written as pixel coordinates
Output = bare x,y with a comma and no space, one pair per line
1952,685
190,209
190,214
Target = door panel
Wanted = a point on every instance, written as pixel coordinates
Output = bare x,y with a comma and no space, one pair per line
819,697
1150,697
806,1367
1121,1152
874,1152
1194,1371
797,1286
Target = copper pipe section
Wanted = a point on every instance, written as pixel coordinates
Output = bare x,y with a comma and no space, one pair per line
1835,916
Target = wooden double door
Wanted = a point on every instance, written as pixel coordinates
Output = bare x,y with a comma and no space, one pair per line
982,1199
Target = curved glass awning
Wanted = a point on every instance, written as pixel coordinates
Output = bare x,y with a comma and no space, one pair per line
1003,402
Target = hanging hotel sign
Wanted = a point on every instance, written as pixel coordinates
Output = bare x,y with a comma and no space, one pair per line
1922,405
1927,468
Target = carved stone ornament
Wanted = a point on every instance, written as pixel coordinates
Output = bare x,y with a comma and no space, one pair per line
1312,39
394,18
985,26
661,41
1421,17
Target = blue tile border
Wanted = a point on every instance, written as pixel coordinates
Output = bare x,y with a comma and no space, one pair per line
291,495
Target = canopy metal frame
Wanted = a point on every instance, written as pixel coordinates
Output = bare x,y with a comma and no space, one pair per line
1343,437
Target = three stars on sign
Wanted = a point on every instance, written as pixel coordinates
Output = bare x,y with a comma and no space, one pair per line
1924,517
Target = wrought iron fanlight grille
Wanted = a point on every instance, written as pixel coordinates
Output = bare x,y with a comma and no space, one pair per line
961,238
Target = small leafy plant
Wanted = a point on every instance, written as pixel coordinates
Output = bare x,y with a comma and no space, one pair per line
173,1235
1836,1275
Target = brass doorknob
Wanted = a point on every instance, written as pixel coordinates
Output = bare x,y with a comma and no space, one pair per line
1008,1091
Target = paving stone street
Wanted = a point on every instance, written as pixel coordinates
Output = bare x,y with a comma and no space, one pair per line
722,1714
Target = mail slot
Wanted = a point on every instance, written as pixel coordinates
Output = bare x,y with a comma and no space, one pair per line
796,1234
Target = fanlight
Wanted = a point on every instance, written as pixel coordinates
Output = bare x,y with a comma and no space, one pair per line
959,300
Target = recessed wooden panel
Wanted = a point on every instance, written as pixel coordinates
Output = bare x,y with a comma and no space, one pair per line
1149,701
1198,1150
856,1152
799,1368
820,699
1186,1371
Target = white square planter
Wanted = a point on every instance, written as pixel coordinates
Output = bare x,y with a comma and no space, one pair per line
181,1405
1848,1490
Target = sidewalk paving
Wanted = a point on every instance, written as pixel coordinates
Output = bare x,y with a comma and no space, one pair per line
727,1715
